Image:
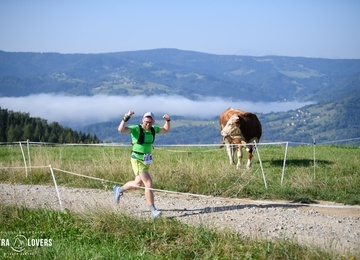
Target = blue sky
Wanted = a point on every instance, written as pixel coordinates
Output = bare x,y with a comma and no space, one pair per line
306,28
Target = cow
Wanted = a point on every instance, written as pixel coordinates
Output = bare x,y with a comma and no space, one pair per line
238,129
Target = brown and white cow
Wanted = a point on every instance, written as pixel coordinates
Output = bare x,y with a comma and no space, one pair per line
239,129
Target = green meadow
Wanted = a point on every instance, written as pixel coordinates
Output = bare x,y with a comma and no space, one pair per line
332,176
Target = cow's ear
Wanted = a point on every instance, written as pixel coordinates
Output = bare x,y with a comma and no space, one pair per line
240,120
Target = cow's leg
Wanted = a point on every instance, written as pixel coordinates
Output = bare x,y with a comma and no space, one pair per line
230,152
239,155
249,149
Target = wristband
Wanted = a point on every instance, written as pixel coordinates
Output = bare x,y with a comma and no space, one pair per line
168,120
126,118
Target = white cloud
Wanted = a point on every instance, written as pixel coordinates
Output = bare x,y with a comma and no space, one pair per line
84,110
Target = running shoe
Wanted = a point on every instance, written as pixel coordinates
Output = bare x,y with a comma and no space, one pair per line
156,213
117,194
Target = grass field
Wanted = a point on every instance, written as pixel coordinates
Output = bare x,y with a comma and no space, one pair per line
203,170
333,176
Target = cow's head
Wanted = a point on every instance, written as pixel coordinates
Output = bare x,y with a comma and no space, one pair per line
232,127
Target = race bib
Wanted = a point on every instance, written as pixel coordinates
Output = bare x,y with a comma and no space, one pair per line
147,158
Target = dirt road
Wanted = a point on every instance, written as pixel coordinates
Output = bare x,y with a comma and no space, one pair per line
326,225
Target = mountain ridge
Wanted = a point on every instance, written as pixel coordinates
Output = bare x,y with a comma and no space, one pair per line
173,72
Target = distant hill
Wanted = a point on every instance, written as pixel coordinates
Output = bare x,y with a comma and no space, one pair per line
326,122
333,83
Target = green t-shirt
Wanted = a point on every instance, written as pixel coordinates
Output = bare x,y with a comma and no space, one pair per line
146,147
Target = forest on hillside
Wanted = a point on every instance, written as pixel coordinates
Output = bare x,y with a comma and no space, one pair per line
16,126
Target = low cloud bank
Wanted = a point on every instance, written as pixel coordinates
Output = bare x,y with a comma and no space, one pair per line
85,110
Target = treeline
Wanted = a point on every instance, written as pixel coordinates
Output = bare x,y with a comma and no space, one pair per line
16,126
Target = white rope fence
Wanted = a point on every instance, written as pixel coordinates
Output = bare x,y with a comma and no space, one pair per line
28,143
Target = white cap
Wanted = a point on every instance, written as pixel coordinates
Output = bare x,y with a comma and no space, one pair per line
149,114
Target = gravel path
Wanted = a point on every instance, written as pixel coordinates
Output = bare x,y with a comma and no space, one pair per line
327,225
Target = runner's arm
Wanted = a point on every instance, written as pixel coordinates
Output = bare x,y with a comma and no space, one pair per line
166,127
122,127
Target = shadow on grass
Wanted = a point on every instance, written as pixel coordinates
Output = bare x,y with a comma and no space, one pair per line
299,162
190,212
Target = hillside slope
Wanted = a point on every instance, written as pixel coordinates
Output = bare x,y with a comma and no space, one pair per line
326,122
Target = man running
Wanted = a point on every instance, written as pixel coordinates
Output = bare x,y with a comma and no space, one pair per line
142,137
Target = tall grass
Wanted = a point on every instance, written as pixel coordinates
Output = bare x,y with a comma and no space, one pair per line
202,170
